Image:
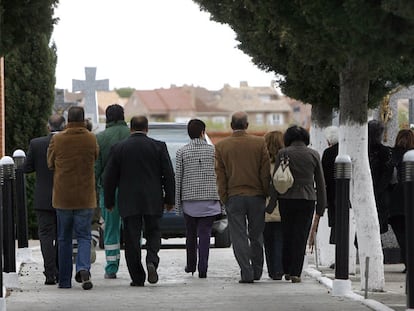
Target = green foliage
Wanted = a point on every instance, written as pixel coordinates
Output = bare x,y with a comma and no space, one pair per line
309,43
125,92
29,96
29,91
22,20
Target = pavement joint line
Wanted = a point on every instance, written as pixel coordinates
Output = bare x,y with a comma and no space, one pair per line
327,282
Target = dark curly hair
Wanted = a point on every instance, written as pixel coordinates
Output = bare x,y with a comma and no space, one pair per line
296,133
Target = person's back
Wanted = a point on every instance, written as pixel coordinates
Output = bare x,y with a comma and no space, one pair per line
116,130
72,154
381,165
397,215
243,176
141,170
243,158
328,164
142,163
36,161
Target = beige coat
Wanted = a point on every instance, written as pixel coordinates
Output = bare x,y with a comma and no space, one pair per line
72,154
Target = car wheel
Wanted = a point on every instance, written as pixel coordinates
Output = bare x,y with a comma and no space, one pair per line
222,240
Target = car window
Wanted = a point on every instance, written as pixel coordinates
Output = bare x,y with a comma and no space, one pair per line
174,139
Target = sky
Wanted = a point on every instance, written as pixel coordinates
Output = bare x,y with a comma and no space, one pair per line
148,44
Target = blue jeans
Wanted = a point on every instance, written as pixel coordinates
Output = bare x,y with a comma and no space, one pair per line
78,223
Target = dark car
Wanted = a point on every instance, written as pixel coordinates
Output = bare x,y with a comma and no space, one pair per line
172,223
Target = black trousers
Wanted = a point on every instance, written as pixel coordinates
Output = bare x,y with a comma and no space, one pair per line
198,227
296,217
398,226
47,230
133,226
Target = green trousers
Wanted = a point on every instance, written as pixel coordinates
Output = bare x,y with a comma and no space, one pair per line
112,235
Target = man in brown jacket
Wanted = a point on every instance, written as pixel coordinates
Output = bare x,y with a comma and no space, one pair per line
243,176
72,154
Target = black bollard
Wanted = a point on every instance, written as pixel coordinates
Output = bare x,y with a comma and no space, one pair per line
343,167
21,204
8,215
408,184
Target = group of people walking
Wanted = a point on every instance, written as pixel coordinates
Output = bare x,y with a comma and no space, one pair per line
131,178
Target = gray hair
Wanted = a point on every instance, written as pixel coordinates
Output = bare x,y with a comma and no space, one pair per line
331,134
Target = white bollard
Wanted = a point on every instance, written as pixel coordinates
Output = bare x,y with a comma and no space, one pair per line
341,287
24,255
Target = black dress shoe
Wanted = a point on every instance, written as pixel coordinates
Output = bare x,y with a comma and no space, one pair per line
202,275
136,284
276,276
152,273
188,270
50,280
245,281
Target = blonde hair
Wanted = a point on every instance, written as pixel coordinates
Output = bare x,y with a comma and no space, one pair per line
274,142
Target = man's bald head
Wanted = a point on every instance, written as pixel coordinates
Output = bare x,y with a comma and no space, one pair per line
56,123
239,121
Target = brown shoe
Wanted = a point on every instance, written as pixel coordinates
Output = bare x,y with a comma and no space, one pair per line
296,279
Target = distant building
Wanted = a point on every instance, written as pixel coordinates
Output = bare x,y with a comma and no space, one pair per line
266,108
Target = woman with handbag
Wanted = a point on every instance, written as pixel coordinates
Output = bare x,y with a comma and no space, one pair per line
272,234
297,204
196,195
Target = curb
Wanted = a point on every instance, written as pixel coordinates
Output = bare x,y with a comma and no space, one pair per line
327,282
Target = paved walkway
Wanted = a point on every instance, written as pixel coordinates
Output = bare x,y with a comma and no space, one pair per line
177,290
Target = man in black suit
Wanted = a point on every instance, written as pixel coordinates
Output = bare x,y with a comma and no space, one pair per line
46,215
141,169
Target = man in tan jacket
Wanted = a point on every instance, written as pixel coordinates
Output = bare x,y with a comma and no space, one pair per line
243,175
72,154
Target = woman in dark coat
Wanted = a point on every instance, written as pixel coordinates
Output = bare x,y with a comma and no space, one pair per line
381,170
403,143
297,205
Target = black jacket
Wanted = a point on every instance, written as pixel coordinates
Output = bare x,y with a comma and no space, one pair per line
141,169
396,206
36,161
328,164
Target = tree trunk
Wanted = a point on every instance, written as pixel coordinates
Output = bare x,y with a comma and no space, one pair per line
353,141
322,118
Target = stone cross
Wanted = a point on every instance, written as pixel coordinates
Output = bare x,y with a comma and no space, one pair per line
89,86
